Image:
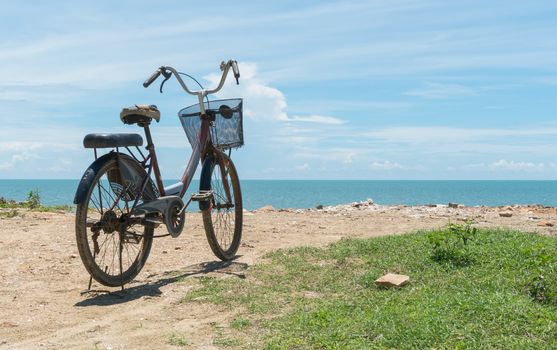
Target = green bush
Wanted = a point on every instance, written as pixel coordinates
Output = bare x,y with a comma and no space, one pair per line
33,199
451,243
7,203
542,284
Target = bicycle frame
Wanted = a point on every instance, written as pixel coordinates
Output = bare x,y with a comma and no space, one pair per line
203,147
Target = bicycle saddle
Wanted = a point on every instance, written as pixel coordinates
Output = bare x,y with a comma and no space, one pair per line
140,114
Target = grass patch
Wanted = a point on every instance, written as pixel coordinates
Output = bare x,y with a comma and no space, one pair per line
178,340
240,323
33,202
10,213
311,298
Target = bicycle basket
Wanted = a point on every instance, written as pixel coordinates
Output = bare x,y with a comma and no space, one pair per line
226,131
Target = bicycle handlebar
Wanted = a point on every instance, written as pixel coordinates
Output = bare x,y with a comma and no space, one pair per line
152,78
167,70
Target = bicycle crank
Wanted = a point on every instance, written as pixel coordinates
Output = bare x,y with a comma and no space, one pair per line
175,217
170,208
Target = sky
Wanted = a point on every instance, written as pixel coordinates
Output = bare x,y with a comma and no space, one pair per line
332,90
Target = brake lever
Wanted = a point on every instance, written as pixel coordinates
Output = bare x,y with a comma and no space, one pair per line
166,76
236,71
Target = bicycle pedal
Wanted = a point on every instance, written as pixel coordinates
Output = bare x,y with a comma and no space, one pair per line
202,196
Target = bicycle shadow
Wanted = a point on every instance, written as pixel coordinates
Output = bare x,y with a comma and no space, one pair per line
152,289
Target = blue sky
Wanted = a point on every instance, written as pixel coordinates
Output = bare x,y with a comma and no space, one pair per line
333,90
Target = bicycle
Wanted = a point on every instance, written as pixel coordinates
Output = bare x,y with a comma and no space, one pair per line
119,206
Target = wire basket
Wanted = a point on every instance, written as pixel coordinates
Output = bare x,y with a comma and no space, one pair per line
227,129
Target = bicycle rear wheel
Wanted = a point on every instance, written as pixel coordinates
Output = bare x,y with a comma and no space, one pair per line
222,216
112,252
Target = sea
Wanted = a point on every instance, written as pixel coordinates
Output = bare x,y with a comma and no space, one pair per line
310,193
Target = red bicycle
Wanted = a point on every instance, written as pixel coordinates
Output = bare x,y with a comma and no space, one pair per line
119,205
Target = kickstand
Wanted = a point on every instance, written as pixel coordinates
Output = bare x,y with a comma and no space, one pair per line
89,290
90,282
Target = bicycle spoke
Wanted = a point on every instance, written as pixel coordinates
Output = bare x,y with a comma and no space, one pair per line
114,201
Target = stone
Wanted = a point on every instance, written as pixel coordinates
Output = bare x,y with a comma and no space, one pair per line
505,214
545,224
392,280
319,206
453,205
7,324
431,205
266,208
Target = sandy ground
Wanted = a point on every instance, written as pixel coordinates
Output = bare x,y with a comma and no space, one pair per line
42,277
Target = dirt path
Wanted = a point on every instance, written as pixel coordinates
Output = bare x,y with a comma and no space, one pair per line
41,274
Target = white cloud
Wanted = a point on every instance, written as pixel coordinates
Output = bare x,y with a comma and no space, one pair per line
19,152
19,146
503,164
439,91
262,102
319,119
385,165
303,167
439,134
60,166
349,158
511,166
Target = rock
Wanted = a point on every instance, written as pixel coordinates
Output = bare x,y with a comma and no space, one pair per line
319,206
368,202
392,280
453,205
7,324
545,223
266,208
505,214
431,205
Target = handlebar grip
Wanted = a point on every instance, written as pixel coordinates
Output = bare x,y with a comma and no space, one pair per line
236,71
152,78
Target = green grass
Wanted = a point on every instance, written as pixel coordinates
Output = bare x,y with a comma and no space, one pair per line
33,202
310,298
178,340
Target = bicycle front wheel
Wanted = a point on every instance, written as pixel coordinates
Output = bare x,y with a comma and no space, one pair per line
222,215
111,252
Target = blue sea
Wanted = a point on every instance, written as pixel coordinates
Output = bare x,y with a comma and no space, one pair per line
309,193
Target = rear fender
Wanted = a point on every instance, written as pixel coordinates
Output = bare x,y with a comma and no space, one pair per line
130,170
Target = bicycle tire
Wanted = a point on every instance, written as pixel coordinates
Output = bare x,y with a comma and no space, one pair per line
92,260
218,216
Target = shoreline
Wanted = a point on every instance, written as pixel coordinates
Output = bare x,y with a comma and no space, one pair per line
303,194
